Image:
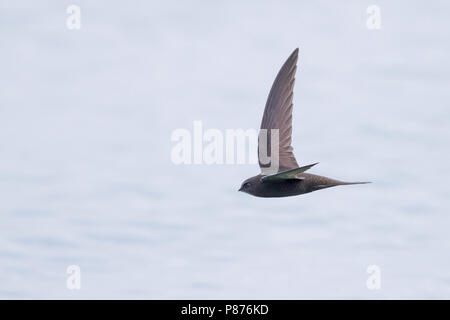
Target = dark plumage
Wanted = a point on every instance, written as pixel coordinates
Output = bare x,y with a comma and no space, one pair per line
289,179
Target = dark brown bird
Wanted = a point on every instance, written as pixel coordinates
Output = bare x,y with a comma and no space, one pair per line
282,178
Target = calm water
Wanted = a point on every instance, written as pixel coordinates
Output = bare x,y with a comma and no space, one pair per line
86,177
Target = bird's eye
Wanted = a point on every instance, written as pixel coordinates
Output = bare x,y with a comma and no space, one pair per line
247,185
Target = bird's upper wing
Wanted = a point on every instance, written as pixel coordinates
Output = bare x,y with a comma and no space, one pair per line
278,115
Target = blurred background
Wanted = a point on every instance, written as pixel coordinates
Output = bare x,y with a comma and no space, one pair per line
86,178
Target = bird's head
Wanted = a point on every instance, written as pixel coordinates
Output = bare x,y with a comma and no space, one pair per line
250,185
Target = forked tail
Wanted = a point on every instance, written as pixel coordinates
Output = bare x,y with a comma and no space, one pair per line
347,183
327,183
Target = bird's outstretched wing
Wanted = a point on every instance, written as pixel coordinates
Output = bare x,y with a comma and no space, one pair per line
278,115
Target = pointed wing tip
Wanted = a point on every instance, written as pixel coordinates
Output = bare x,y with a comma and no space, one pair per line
309,166
294,54
294,58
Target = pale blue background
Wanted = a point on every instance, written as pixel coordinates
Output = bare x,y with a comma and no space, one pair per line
85,171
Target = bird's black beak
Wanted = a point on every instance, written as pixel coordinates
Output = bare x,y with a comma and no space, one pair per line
240,189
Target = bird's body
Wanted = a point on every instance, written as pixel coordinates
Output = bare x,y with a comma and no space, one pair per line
288,179
305,183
